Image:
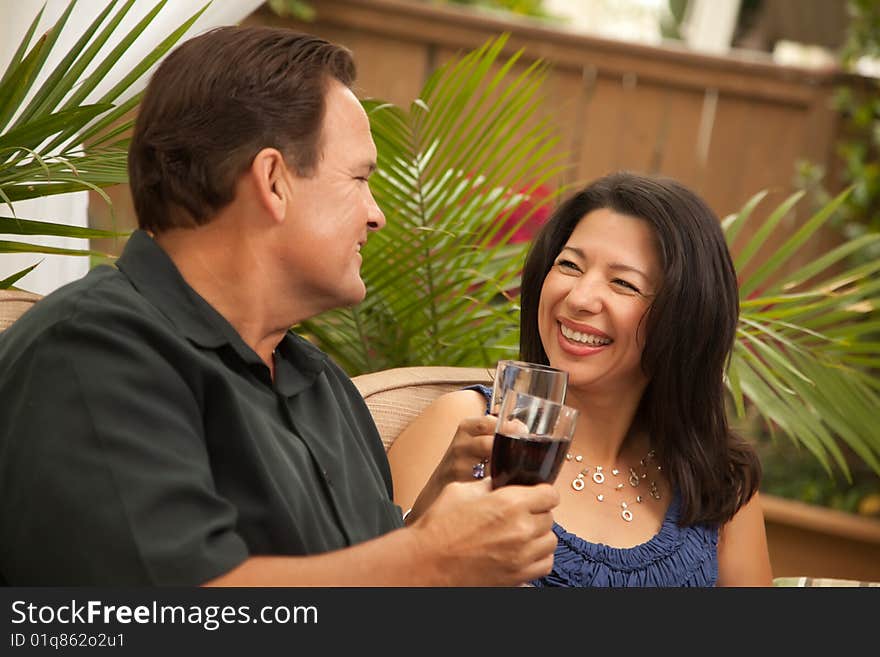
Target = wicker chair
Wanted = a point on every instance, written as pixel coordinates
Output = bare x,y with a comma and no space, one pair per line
396,396
13,304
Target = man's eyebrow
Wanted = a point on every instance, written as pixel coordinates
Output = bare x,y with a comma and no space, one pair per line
615,266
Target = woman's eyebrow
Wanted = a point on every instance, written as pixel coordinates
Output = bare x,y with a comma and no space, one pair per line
615,266
578,252
618,266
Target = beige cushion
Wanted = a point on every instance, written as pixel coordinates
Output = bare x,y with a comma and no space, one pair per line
822,582
13,304
396,396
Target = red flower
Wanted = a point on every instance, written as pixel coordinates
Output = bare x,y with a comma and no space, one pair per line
534,202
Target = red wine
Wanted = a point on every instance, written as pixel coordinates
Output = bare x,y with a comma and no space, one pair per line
526,461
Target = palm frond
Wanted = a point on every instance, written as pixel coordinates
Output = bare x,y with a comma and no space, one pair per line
9,281
19,226
807,355
21,247
455,186
41,150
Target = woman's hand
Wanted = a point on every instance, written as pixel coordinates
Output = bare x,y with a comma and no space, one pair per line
470,446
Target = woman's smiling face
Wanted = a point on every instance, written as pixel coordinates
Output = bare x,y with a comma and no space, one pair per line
595,298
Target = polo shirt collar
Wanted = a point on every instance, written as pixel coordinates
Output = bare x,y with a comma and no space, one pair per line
155,276
297,364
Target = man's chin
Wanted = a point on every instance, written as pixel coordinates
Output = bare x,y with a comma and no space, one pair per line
357,295
346,297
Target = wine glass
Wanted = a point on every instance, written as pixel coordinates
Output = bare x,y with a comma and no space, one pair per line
532,437
531,378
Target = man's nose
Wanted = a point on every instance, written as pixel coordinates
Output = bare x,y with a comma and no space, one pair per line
375,216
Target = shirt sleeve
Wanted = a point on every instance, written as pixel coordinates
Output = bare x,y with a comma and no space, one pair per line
486,391
105,478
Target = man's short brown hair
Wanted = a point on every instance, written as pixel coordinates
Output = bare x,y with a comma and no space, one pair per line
213,104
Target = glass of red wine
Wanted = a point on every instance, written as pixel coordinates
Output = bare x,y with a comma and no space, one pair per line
532,436
532,378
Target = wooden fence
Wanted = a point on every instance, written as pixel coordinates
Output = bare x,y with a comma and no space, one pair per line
726,126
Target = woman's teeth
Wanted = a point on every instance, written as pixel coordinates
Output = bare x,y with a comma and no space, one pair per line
584,338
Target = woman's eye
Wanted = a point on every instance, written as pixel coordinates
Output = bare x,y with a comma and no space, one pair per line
567,264
626,284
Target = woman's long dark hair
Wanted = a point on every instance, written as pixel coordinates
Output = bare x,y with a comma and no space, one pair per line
691,327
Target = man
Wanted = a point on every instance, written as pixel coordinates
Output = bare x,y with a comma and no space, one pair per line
159,423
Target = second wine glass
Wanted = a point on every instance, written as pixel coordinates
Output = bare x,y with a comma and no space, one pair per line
530,378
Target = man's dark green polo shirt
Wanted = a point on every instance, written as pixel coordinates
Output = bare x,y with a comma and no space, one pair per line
143,442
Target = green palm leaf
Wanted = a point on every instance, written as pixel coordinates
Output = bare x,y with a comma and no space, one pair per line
22,49
9,281
30,135
18,226
451,176
807,352
40,143
70,67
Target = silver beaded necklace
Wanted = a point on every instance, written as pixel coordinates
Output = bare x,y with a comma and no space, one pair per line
635,481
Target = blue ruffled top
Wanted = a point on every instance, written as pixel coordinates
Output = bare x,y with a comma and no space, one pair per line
675,556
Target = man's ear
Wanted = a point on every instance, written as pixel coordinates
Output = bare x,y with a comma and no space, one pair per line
271,182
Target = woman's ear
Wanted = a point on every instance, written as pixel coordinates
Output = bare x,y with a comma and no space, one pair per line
271,181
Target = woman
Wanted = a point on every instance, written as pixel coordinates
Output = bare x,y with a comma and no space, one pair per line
630,288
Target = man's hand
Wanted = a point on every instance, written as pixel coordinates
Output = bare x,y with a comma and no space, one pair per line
474,536
470,536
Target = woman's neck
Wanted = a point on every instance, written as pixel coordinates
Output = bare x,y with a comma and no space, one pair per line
607,431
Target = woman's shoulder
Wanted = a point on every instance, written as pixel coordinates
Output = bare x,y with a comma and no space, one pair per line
484,390
466,402
439,419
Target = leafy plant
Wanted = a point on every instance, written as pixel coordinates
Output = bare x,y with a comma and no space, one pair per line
296,9
794,473
42,148
452,182
859,148
805,357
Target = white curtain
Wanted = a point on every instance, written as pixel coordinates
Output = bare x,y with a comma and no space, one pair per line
54,271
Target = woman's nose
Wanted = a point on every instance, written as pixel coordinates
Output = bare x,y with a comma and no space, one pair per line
586,296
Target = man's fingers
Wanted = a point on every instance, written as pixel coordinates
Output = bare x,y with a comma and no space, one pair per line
541,547
539,498
543,522
539,568
476,487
